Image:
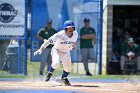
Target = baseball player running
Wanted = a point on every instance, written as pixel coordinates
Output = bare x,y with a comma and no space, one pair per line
63,42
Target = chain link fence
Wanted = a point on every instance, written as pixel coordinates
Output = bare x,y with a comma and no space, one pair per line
11,55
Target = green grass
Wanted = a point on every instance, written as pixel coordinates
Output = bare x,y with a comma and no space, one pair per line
33,68
3,72
13,76
114,77
105,77
33,72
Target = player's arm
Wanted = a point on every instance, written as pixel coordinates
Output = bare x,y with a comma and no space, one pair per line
43,46
90,36
93,37
73,44
39,34
39,37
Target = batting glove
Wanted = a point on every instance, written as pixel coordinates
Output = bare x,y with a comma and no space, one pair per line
39,51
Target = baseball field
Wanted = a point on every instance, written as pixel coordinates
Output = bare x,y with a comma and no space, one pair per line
79,85
33,83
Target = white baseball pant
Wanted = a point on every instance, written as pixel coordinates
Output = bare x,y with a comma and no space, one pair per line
59,56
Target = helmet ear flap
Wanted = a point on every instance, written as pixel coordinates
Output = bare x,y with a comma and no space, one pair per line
65,29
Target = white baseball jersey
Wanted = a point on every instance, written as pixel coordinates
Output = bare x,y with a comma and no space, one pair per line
62,42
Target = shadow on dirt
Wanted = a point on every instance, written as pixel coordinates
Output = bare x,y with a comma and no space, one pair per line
40,91
84,86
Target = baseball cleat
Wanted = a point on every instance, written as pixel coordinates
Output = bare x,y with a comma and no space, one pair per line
48,76
65,82
41,73
88,73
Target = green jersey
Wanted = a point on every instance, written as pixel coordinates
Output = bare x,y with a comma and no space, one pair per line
86,43
46,33
121,47
135,49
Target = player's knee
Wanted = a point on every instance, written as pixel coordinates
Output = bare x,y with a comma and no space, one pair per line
55,66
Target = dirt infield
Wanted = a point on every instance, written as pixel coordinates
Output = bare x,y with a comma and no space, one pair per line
93,87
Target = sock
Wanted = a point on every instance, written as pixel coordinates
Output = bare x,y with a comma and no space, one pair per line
51,70
65,74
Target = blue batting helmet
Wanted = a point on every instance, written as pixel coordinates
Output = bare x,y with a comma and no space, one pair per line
68,24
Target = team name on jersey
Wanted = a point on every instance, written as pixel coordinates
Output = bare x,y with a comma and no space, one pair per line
66,42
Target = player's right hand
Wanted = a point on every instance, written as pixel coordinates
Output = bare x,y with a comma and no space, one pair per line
39,51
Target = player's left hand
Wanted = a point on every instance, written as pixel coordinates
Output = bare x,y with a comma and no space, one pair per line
72,47
39,51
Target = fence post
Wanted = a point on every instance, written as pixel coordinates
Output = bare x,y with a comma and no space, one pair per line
25,39
101,20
